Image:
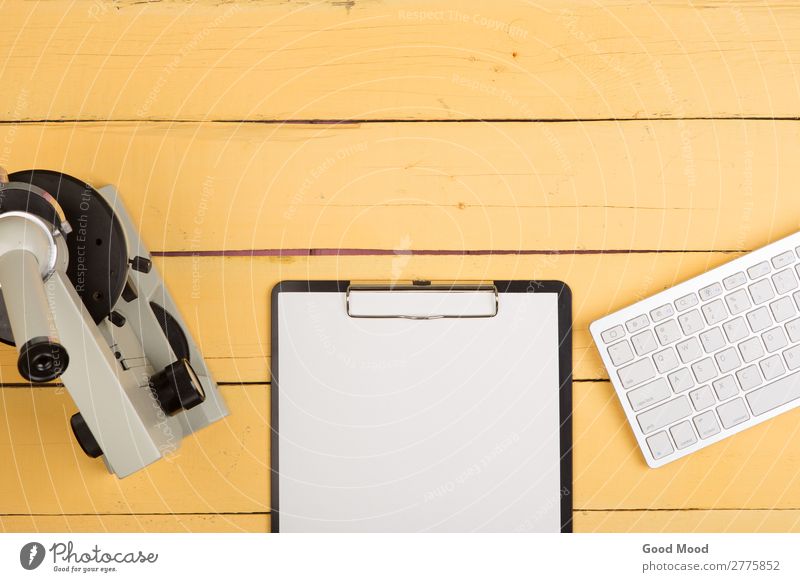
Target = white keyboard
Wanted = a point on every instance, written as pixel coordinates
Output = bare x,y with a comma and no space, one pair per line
709,357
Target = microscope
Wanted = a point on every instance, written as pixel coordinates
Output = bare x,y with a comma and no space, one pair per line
82,302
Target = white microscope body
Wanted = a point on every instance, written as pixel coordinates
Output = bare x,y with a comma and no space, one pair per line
81,301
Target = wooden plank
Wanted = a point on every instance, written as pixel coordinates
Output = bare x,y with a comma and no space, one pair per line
695,521
665,185
91,59
225,468
225,300
692,521
184,523
222,469
756,469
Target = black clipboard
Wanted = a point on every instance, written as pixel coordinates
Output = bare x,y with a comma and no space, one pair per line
564,314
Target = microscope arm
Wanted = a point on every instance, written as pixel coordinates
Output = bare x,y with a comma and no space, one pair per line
111,400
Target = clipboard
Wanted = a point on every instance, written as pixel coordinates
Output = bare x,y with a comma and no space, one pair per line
440,407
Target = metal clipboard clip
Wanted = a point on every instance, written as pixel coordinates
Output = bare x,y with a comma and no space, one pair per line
422,300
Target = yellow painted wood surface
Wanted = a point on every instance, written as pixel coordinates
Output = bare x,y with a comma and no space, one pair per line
183,106
644,185
367,59
164,523
695,521
223,470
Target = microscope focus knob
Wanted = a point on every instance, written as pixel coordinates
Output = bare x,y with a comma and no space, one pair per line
177,388
41,359
84,436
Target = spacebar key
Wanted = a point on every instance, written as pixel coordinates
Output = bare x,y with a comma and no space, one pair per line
774,395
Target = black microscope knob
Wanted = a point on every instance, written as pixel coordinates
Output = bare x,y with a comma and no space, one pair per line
84,436
42,360
177,387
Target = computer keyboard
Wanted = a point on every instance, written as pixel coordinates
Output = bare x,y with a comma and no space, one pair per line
709,357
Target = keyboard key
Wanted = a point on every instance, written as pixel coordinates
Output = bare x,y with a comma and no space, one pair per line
759,319
785,281
715,312
702,398
774,395
681,380
732,413
706,424
664,414
761,291
748,377
644,343
734,281
725,387
689,350
758,270
735,329
772,367
783,259
792,357
728,360
691,322
662,312
665,360
704,370
738,302
793,329
686,302
636,373
668,332
782,309
651,393
637,323
796,296
683,434
659,445
712,340
620,353
711,291
774,339
751,350
612,334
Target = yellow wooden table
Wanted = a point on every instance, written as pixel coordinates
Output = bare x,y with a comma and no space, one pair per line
619,146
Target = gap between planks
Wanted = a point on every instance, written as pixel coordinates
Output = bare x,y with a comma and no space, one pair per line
142,514
422,252
574,510
357,121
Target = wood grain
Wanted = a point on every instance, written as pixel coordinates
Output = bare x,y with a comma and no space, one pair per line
271,60
148,523
692,521
221,469
663,521
224,469
665,155
649,185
